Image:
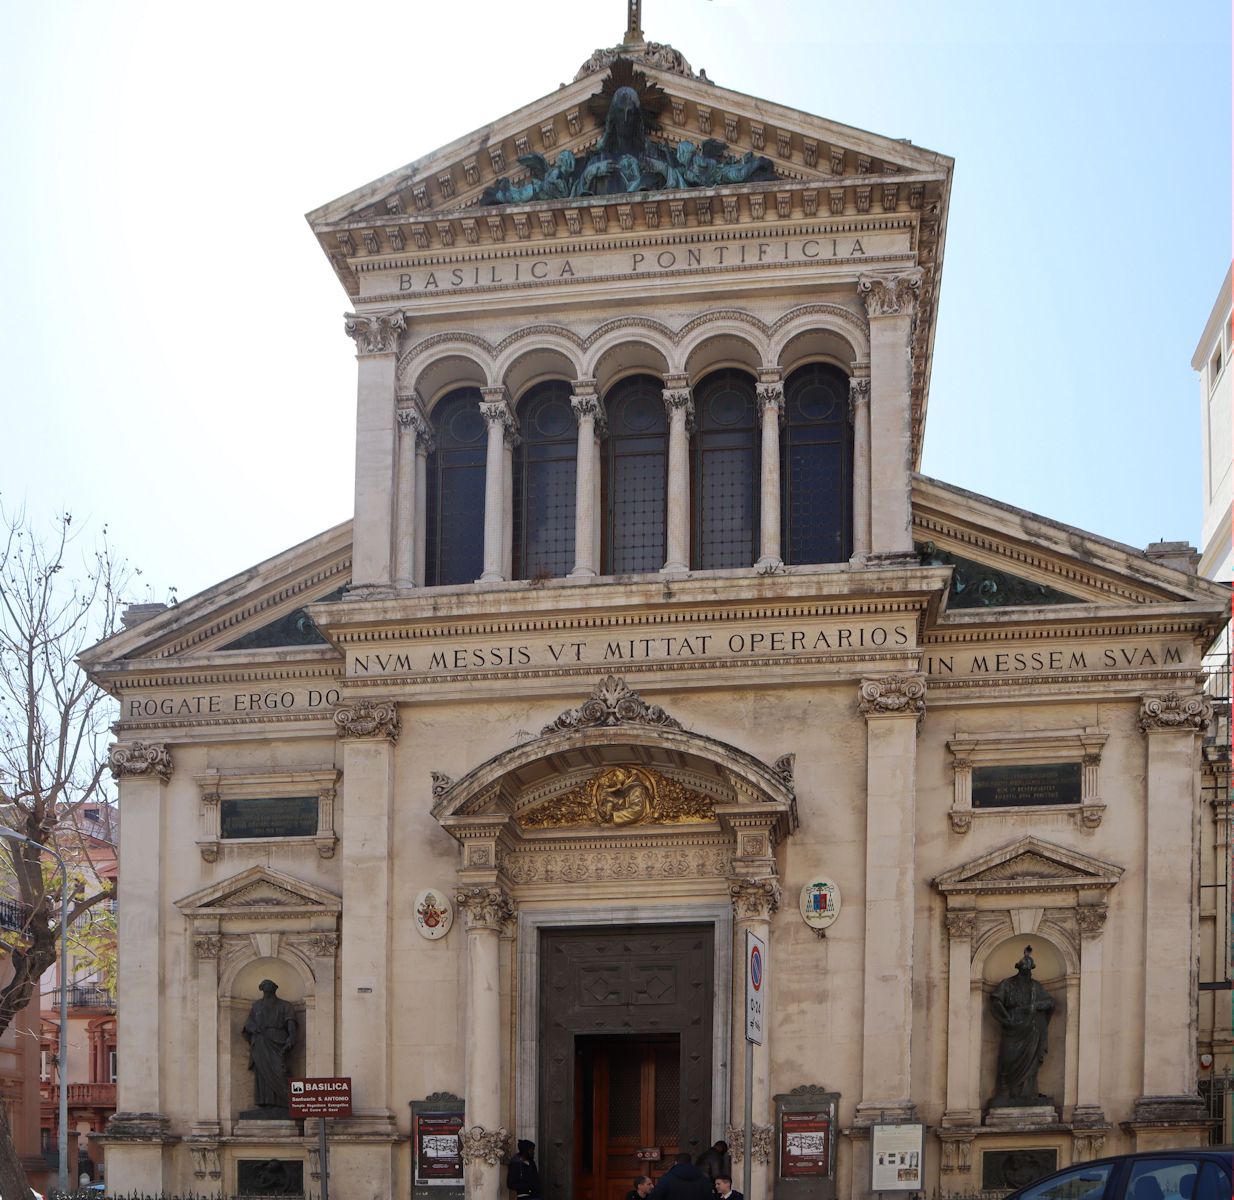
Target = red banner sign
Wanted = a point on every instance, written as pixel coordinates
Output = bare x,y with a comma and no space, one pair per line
320,1097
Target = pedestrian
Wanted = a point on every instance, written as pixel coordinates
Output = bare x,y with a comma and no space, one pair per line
642,1186
522,1175
724,1189
715,1161
682,1181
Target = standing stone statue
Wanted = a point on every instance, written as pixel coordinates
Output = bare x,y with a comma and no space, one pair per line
1022,1007
271,1033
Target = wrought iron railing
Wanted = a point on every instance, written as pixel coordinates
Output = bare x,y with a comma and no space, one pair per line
1217,1090
85,995
13,914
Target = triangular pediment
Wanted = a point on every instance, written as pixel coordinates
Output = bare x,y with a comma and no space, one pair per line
1029,864
1006,559
253,615
257,891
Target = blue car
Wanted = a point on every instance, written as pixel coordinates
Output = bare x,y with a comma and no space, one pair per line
1191,1174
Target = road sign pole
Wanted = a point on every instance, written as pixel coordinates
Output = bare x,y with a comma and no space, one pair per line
749,1120
323,1161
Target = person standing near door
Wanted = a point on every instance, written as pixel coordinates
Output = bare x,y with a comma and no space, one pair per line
724,1189
682,1181
522,1175
641,1189
715,1161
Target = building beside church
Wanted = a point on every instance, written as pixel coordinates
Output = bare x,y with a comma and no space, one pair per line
646,639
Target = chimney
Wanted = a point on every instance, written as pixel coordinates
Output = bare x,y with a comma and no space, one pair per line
136,614
1182,556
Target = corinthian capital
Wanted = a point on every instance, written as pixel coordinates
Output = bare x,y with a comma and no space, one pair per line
890,295
368,719
1175,713
140,758
484,907
894,696
484,1145
858,394
375,333
770,395
754,899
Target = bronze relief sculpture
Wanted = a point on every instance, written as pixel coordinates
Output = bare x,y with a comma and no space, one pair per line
620,796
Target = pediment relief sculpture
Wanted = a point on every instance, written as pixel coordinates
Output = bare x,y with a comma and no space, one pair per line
627,157
620,797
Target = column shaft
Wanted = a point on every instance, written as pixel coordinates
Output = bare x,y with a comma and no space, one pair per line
680,412
859,401
404,534
420,524
1088,1084
507,503
771,404
960,1104
497,414
586,408
207,1035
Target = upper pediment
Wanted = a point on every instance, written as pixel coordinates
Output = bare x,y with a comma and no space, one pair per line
814,169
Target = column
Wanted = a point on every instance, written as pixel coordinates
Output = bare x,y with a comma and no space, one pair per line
1172,726
589,413
509,440
893,707
890,302
376,336
859,415
961,1106
135,1163
1091,921
410,424
485,910
424,447
496,410
207,947
680,406
369,730
754,900
771,406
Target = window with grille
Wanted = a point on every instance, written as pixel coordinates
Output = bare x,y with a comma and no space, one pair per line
454,535
544,470
816,457
725,474
636,463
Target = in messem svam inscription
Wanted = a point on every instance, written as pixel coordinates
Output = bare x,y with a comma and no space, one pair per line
1026,784
269,817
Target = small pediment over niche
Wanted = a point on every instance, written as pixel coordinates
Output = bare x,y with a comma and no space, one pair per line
1029,864
260,891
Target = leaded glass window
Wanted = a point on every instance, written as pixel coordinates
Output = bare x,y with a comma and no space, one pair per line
816,456
454,550
636,462
725,473
544,469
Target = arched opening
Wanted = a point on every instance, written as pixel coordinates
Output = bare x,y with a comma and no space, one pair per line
816,467
454,541
725,472
544,471
635,477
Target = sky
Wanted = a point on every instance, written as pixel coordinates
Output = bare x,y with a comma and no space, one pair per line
172,355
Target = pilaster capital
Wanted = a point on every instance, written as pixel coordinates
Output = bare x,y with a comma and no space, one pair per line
377,719
484,907
323,945
754,899
1091,918
485,1145
961,924
890,295
375,333
893,696
207,945
138,759
1173,713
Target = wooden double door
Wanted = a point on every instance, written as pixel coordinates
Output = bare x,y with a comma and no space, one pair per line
625,1054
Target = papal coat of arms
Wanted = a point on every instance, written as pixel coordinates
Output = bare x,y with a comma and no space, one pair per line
433,914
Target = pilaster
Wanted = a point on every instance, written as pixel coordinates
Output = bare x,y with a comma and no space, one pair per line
1090,920
962,1107
377,340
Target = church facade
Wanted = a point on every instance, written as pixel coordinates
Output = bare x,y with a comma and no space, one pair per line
646,645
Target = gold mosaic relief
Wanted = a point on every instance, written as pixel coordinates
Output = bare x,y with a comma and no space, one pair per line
621,796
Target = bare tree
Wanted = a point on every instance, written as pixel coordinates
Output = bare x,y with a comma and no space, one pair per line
55,601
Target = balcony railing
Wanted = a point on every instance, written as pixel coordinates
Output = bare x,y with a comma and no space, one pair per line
81,1095
84,995
13,914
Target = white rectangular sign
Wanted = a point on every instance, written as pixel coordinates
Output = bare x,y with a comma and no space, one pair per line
896,1153
756,986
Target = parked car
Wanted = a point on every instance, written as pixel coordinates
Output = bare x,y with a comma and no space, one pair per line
1192,1174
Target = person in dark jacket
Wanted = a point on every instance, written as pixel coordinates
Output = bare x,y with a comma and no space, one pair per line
682,1181
641,1189
724,1189
715,1161
522,1175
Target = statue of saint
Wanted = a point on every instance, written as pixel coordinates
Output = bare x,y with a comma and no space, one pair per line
1022,1007
271,1033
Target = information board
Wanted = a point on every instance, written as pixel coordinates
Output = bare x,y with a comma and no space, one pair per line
438,1149
322,1096
756,986
1026,784
805,1144
268,817
896,1152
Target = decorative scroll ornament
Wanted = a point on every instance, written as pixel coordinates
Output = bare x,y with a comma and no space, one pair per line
375,333
482,1145
784,768
140,758
890,295
621,796
442,783
1186,714
368,719
612,703
762,1142
484,907
894,695
754,898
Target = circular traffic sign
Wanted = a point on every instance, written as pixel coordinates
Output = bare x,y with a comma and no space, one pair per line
756,968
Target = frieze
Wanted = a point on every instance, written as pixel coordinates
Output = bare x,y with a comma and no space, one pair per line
626,865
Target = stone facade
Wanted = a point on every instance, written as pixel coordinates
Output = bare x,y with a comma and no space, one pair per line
677,747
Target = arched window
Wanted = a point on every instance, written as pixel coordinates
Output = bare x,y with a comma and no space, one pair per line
725,472
816,467
454,534
544,468
636,478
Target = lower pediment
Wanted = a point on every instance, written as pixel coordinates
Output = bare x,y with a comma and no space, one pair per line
1029,865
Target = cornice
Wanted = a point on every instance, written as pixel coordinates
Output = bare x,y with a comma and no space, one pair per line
194,674
1117,625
